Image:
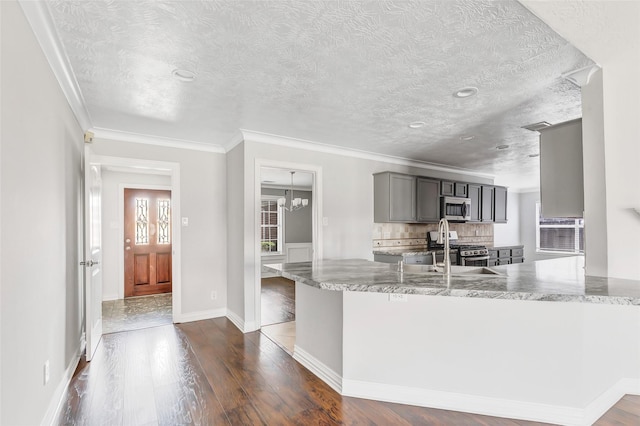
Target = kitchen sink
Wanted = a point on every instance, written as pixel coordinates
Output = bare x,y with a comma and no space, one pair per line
455,269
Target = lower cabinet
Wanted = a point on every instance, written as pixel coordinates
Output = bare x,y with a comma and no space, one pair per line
505,255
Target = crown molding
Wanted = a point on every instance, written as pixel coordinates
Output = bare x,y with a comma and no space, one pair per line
235,140
39,17
118,135
365,155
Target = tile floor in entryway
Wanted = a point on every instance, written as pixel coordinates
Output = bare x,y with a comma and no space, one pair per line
135,313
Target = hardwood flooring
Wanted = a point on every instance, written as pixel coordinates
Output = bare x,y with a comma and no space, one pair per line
278,300
208,372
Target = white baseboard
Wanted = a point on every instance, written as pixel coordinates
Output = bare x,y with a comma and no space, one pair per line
327,375
53,410
236,320
244,326
461,402
110,297
608,399
496,407
200,315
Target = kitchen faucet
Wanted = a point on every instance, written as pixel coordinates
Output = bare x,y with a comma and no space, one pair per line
443,238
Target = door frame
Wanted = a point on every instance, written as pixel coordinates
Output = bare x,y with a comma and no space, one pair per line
121,188
252,293
134,165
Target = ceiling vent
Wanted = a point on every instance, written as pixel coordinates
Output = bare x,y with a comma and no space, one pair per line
536,127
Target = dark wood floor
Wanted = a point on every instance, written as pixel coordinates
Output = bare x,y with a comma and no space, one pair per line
208,372
278,300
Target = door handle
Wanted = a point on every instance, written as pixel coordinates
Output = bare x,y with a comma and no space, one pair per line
89,263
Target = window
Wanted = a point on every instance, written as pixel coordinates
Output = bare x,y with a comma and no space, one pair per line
270,226
561,235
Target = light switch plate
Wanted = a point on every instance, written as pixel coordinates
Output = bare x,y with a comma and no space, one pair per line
185,221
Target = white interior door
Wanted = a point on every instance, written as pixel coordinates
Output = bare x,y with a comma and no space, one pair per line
93,252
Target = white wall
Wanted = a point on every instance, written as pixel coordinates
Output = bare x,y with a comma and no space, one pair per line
595,184
508,234
608,32
41,177
112,244
235,242
203,242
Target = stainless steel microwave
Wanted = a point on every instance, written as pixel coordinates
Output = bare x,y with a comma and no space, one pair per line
455,209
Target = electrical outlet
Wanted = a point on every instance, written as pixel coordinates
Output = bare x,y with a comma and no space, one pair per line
214,295
46,372
185,221
397,297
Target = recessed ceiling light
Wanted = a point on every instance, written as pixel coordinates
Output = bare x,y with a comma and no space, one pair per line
465,92
534,155
502,147
417,124
183,75
467,137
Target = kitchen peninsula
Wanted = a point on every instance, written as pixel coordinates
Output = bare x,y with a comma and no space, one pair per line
539,342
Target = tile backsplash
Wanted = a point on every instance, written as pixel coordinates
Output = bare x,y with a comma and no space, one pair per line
403,235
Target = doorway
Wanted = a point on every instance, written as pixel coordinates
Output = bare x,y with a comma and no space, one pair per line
286,236
120,313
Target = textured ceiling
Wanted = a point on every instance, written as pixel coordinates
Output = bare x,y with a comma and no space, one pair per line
345,73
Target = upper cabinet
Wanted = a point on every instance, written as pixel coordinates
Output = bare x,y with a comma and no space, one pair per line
475,194
561,170
416,199
394,198
461,190
500,204
428,200
486,204
453,189
447,188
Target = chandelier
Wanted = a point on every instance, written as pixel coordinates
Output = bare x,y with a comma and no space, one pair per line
294,203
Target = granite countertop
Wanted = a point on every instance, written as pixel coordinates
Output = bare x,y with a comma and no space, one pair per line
559,280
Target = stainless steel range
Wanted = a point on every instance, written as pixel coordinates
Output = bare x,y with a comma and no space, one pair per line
467,254
473,255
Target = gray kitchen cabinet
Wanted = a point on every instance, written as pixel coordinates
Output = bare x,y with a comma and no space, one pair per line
505,255
561,170
394,198
447,188
475,194
428,200
486,204
499,204
461,189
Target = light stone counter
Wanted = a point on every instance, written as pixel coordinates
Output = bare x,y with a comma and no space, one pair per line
560,280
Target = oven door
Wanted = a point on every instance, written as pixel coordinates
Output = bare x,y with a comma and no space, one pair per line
474,261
